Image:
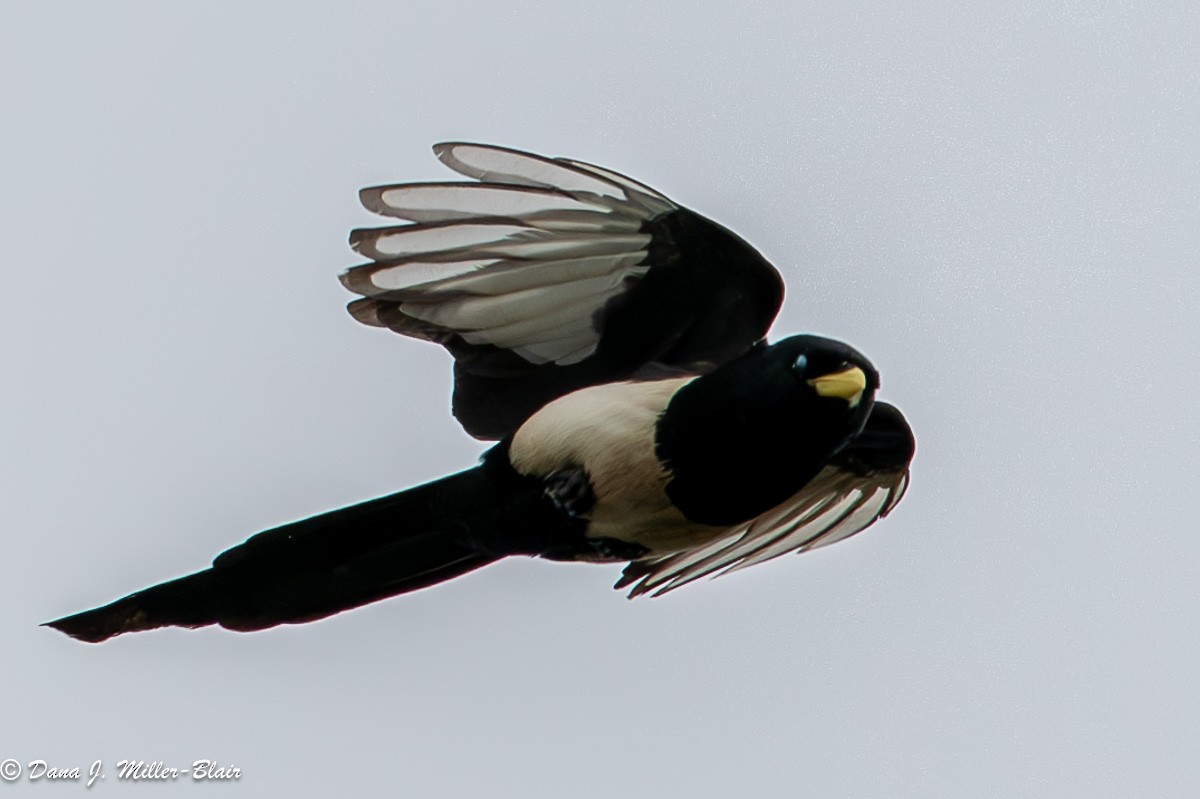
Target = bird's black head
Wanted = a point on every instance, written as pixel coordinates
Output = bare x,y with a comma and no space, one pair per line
745,437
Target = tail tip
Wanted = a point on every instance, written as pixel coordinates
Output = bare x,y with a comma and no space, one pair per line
95,626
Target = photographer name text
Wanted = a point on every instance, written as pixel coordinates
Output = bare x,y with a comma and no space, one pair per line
202,770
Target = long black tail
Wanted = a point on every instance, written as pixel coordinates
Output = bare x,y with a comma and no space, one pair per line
320,566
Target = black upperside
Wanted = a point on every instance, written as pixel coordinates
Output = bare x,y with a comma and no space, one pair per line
744,438
707,298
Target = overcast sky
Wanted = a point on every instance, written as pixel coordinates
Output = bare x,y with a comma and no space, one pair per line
998,204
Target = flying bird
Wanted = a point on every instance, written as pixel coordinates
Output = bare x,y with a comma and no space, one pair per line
613,344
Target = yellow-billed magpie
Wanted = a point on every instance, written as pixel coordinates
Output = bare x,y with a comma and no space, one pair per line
613,342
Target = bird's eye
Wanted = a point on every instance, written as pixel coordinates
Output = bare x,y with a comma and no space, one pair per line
801,363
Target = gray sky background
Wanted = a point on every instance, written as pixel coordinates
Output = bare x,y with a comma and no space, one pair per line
999,205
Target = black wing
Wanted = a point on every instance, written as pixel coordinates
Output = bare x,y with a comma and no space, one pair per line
860,486
549,275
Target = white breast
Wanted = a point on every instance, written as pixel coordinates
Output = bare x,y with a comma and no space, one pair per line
608,430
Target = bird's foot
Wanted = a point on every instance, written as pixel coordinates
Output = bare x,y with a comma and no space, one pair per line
571,491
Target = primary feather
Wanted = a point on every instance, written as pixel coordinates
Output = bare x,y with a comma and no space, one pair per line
550,275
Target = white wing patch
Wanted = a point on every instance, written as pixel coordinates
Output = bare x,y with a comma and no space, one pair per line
523,260
492,164
439,202
835,505
645,195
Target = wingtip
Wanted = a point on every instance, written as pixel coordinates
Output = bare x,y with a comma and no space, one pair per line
371,198
365,311
362,241
358,280
444,149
